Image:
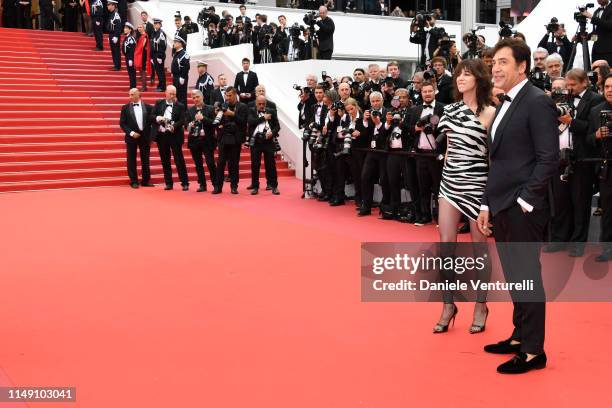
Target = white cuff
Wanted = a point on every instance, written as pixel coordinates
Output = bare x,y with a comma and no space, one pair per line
484,207
524,204
132,133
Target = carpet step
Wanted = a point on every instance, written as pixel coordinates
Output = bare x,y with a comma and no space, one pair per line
41,129
61,138
43,113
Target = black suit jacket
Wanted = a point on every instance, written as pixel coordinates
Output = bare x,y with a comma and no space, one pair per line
594,124
326,34
249,87
217,96
445,89
232,130
579,127
564,51
311,113
178,116
524,153
128,123
254,120
603,29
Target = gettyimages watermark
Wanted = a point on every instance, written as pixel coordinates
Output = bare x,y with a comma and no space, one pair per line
497,272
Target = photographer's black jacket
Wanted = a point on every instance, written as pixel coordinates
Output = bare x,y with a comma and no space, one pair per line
381,137
325,34
232,128
602,146
254,120
128,123
311,111
415,115
298,44
407,135
420,37
209,115
362,141
564,50
445,89
579,127
178,117
603,30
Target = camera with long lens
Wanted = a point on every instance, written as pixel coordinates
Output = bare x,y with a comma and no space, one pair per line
506,29
220,108
346,142
336,106
593,79
421,18
553,26
472,43
295,30
429,75
540,79
258,137
311,18
304,89
579,18
562,98
605,119
428,123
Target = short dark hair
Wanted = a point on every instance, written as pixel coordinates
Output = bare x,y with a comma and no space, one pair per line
242,6
488,52
428,83
438,59
230,89
246,59
577,74
282,15
520,51
480,71
360,70
607,77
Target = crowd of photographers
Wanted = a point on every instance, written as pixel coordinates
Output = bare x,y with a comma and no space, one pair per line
272,42
375,128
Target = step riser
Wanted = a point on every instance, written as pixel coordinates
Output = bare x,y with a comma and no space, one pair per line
83,155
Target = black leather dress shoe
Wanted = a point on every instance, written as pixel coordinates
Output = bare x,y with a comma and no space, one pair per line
168,187
202,188
336,203
363,212
216,190
605,256
519,364
268,188
323,197
250,187
503,347
185,187
134,185
254,191
147,185
274,190
234,190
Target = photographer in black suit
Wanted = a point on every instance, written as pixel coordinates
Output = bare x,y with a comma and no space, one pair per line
263,127
325,34
599,136
231,120
201,137
556,42
246,82
168,132
444,82
135,121
423,31
602,29
573,185
524,155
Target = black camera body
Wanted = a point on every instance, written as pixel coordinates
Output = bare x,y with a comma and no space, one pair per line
338,105
346,143
579,18
311,18
605,119
506,29
553,26
428,123
563,100
258,137
540,79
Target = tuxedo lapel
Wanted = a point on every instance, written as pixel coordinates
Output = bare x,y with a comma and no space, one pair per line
132,114
500,130
584,101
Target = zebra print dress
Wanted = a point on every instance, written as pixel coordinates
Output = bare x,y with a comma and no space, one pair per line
467,161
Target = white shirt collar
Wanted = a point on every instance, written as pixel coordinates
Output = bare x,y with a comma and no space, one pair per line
517,88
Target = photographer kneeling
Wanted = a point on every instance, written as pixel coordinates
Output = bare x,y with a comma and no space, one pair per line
263,129
573,187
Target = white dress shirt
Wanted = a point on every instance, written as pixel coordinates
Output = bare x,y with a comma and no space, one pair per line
138,113
245,77
319,108
427,142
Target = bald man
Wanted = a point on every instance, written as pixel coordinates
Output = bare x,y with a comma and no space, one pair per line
263,128
136,125
325,33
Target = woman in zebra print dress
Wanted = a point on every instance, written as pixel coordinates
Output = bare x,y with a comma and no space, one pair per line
466,166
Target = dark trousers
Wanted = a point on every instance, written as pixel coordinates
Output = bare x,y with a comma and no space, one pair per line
47,17
199,153
131,74
132,150
181,90
354,164
23,16
325,55
122,8
605,194
374,163
71,16
179,161
267,149
429,173
521,260
161,75
97,27
115,51
572,201
230,154
319,163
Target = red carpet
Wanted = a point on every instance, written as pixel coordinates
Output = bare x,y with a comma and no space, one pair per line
168,299
59,114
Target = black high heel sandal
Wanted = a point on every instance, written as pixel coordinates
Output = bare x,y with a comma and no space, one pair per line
443,328
476,328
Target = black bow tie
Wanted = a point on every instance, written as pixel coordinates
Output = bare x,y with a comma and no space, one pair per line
427,107
135,104
169,105
503,97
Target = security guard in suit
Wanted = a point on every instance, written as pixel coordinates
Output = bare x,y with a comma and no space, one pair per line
158,53
180,70
114,33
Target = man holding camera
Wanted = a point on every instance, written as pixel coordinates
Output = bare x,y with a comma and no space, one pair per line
180,70
573,188
425,33
325,34
246,82
555,41
307,99
602,31
315,121
263,128
231,119
292,47
201,140
600,131
444,82
168,132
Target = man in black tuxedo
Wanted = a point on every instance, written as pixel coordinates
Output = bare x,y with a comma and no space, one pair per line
263,127
201,137
325,33
557,43
602,28
245,82
444,82
428,38
428,167
231,128
314,117
573,194
135,121
218,95
524,155
168,132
